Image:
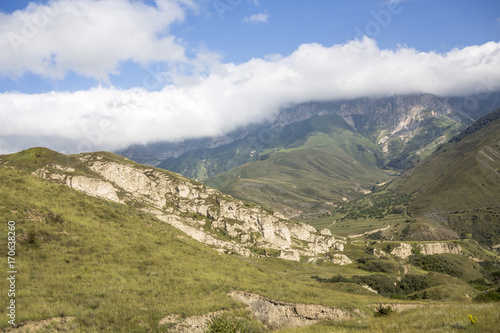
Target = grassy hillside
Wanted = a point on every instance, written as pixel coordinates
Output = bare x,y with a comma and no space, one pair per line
462,174
452,194
117,269
327,166
460,184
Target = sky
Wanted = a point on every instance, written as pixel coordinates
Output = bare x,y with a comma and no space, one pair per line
88,75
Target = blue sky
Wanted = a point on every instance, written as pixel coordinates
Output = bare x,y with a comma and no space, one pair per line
176,69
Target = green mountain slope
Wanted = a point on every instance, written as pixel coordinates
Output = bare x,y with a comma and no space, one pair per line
464,173
207,215
330,152
320,163
452,194
460,183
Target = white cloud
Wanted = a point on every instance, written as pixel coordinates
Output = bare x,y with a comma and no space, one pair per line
88,37
228,96
257,18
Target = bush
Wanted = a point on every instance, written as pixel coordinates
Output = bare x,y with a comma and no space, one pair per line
413,283
438,263
379,282
496,276
383,311
334,279
383,266
229,323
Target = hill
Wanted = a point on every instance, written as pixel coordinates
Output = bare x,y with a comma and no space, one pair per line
452,194
115,268
205,214
314,165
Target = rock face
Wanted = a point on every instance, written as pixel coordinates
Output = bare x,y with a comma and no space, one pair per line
279,315
403,251
272,313
205,214
438,248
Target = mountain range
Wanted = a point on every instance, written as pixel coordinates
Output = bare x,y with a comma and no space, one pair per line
318,155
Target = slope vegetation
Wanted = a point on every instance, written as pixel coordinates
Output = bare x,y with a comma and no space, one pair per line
205,214
115,268
452,194
319,163
461,182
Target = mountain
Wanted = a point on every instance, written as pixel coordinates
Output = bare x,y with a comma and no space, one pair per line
459,185
452,194
368,115
320,162
328,152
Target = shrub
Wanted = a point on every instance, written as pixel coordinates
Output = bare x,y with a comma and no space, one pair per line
383,311
383,266
413,283
438,263
379,282
229,323
334,279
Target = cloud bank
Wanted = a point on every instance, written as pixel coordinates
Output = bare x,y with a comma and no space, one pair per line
232,95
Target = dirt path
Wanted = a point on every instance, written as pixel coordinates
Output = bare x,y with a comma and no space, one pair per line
369,232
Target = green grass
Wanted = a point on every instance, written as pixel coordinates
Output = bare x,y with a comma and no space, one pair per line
117,269
461,175
429,318
303,181
368,213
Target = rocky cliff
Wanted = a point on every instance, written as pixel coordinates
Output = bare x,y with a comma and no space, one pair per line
203,213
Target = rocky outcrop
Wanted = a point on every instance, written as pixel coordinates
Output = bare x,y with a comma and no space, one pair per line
279,315
402,251
439,248
340,259
272,313
205,214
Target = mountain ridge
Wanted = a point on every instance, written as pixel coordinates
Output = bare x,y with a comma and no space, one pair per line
393,133
203,213
452,194
155,153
